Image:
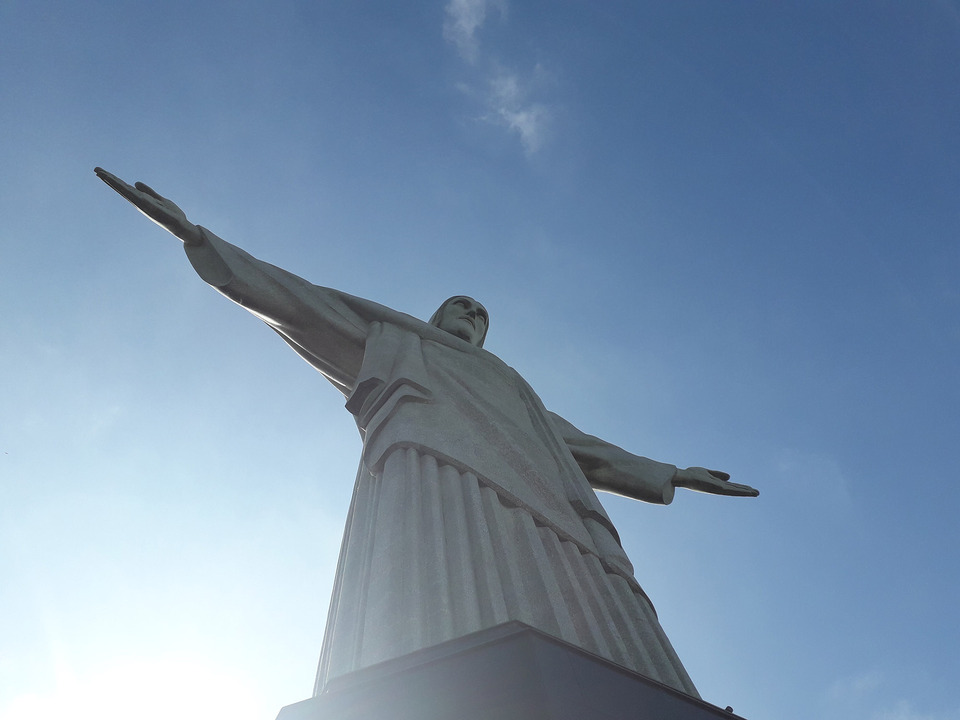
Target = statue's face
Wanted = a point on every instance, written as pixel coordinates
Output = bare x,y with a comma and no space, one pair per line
465,318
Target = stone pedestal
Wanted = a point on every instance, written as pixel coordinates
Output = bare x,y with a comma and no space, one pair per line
509,672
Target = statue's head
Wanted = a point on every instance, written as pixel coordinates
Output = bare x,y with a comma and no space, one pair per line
464,317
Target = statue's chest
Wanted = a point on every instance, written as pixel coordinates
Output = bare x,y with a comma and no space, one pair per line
478,378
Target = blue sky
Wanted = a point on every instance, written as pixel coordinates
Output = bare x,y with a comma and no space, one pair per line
715,233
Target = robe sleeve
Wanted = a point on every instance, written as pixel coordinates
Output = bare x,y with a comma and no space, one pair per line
326,327
613,469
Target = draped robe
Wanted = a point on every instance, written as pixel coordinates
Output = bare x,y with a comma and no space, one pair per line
473,504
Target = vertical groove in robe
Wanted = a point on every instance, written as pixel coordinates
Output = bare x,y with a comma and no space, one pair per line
344,642
668,658
358,603
462,554
385,632
418,533
593,635
551,613
507,557
659,653
624,620
437,591
616,640
491,596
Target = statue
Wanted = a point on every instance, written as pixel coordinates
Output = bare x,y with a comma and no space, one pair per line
473,505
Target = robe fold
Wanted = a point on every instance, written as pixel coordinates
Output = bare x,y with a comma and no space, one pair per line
473,504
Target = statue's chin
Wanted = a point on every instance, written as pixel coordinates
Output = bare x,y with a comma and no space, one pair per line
463,334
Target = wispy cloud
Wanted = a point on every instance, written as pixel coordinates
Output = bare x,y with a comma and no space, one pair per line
463,19
508,96
510,107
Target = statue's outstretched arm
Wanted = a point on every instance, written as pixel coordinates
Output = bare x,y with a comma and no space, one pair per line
277,296
162,211
317,322
612,469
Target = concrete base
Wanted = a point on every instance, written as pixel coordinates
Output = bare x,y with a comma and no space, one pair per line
509,672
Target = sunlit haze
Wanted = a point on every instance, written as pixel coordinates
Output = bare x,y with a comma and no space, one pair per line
723,234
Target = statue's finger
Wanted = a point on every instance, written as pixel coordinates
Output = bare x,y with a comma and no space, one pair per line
144,188
106,176
116,183
743,490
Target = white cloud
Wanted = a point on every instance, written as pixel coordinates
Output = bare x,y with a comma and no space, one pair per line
506,89
509,107
464,19
530,123
506,93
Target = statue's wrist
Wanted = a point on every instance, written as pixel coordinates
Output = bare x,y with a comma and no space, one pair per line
669,489
191,235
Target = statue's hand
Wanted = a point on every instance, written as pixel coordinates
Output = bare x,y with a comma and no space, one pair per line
711,481
163,212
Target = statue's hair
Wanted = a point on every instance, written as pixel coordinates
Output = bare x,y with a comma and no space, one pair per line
435,318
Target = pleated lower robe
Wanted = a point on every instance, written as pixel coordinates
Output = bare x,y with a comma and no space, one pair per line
431,554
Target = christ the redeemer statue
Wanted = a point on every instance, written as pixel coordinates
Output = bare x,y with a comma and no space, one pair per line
474,505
